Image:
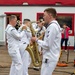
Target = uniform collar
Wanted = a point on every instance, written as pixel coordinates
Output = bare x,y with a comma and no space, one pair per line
51,23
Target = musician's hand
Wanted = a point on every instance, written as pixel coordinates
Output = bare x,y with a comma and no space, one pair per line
24,28
43,33
40,52
33,39
31,43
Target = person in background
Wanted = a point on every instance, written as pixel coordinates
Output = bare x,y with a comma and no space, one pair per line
13,37
25,40
51,43
65,35
39,29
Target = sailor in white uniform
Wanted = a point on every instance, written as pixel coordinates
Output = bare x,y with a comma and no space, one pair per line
51,43
39,29
25,40
13,38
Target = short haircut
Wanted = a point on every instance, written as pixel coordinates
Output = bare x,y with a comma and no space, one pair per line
52,11
40,20
12,17
25,20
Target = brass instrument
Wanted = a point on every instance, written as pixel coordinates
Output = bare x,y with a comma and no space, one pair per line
18,24
33,51
41,36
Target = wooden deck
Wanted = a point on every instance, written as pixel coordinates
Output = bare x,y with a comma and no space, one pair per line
5,62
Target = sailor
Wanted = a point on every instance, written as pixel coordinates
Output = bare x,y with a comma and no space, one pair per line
39,27
13,38
51,42
25,40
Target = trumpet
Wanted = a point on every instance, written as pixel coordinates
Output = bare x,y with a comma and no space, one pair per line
18,24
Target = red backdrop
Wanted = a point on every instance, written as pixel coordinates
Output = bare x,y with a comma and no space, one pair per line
38,2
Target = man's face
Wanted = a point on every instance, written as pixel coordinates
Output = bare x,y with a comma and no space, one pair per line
14,21
46,17
28,23
41,24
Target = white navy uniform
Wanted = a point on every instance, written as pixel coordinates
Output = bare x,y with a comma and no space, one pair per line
38,29
51,48
13,38
25,40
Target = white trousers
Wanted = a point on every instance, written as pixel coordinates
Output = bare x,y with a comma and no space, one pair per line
48,68
17,65
25,59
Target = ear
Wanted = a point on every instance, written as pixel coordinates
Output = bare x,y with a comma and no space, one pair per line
50,15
